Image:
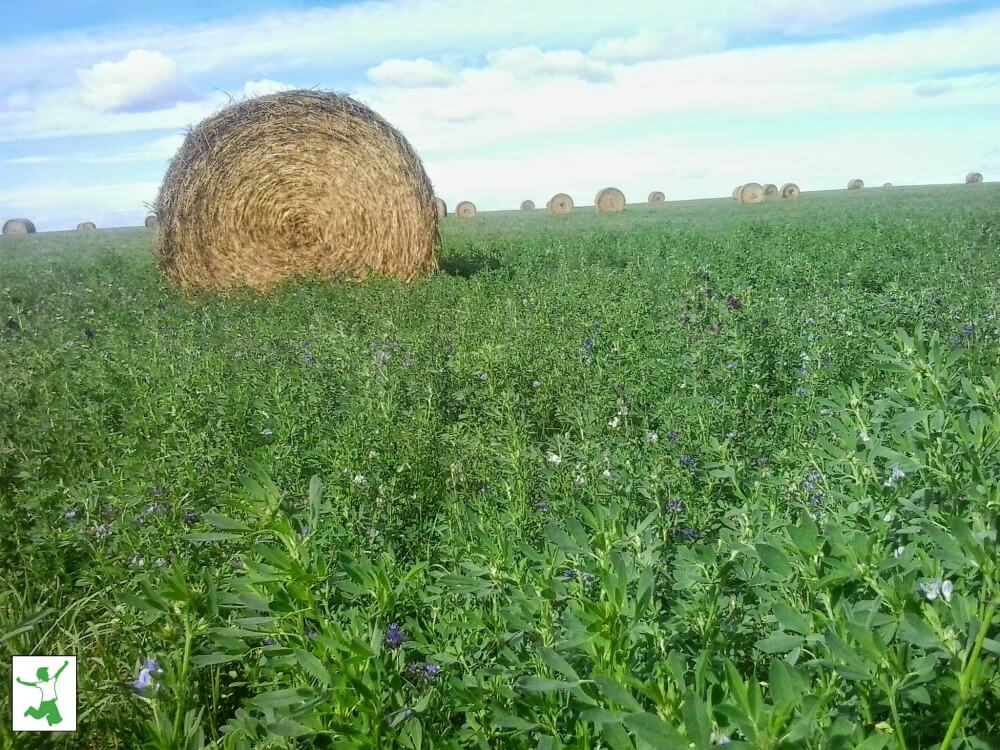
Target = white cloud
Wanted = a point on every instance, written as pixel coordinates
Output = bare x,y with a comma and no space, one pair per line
531,62
650,45
264,87
143,81
410,74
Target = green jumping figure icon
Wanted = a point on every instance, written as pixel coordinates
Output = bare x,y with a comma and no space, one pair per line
48,708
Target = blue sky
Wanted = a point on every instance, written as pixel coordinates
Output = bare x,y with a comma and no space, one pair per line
509,99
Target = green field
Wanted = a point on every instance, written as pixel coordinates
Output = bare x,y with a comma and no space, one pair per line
647,480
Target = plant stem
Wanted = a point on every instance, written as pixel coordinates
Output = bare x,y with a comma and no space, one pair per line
966,677
181,687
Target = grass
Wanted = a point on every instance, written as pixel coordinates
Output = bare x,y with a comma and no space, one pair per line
658,479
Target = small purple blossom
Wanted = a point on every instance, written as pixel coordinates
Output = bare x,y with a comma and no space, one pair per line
674,506
800,391
395,636
102,530
541,507
896,476
675,435
144,680
730,365
733,303
423,670
309,358
380,358
311,632
968,329
191,518
688,463
689,534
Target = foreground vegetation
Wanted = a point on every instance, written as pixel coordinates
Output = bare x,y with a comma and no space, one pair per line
700,475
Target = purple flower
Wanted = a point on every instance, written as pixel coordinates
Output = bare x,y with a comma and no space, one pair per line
395,636
730,365
968,329
423,670
675,435
144,680
688,463
311,632
800,391
269,642
674,506
541,507
158,491
689,535
102,531
380,358
89,334
733,304
449,350
483,377
309,357
191,518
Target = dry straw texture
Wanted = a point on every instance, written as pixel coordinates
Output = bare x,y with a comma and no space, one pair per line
465,210
560,203
855,184
770,189
527,205
86,226
19,226
790,190
656,198
300,182
973,178
441,207
610,200
152,222
752,192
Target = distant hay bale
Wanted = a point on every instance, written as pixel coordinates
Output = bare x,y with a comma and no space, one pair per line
752,192
465,210
736,193
152,222
560,203
441,207
86,226
19,226
770,189
887,184
973,178
610,200
294,183
790,190
527,205
656,198
855,184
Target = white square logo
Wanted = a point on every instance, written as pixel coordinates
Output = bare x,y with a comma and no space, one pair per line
43,690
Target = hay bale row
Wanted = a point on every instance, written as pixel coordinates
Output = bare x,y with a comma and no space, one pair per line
855,184
152,222
18,226
86,226
527,205
441,207
465,210
887,184
973,178
560,204
609,200
770,189
751,192
298,182
657,198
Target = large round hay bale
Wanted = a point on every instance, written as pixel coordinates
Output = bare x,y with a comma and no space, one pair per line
465,210
293,183
610,200
790,190
441,207
19,226
855,184
770,189
527,205
657,198
736,193
86,226
152,222
973,178
752,192
560,203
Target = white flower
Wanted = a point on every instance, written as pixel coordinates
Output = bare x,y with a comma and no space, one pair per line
895,477
579,479
898,552
360,480
554,458
606,473
947,589
615,423
267,432
652,437
720,739
887,518
863,434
